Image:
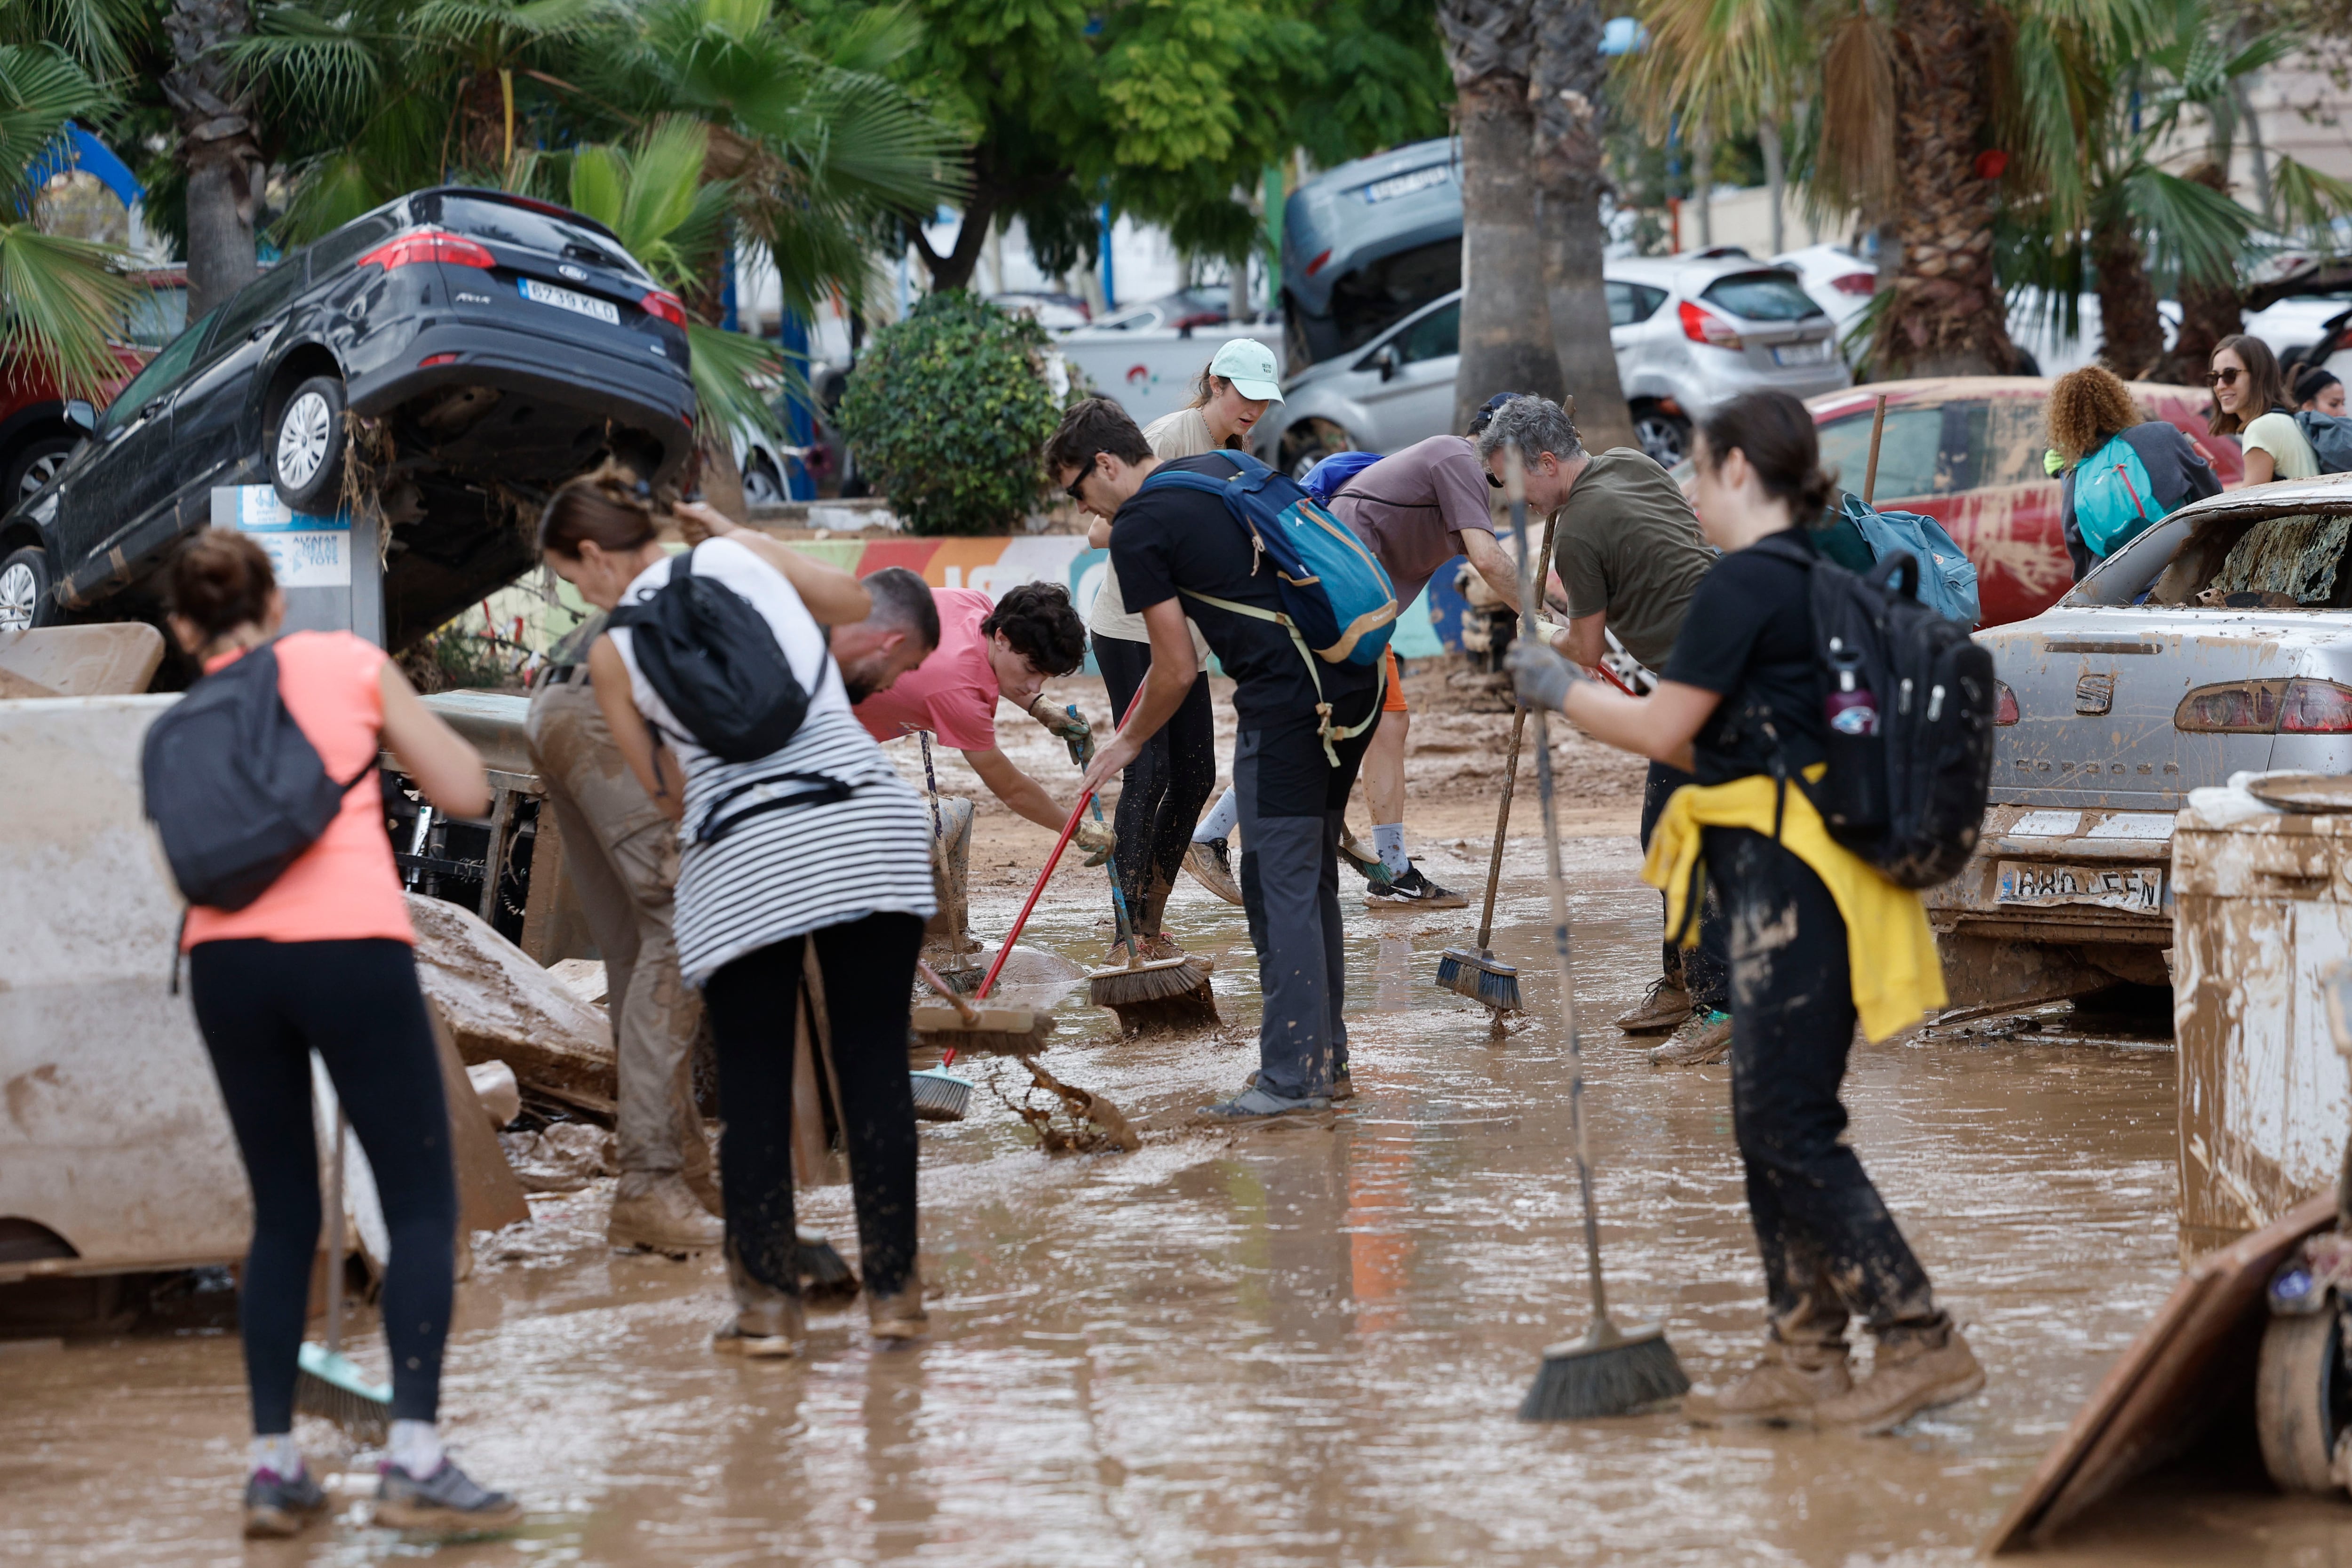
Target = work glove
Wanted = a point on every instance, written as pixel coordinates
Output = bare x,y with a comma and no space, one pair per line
1540,676
1096,839
1075,730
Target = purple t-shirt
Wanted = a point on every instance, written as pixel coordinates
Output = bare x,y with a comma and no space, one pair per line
1411,507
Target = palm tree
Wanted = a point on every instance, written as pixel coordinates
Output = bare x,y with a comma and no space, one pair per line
1506,328
218,145
61,299
1568,84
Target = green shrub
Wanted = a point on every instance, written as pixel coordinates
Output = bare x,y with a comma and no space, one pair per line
947,413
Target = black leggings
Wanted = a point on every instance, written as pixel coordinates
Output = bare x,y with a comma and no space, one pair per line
869,975
264,1006
1162,791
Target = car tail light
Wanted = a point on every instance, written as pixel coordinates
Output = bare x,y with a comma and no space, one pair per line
2240,708
2005,706
429,360
429,244
667,306
1863,283
1316,265
2316,708
1704,327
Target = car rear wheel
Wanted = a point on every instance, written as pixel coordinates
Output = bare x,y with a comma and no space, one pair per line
1308,443
1665,436
306,446
35,466
25,601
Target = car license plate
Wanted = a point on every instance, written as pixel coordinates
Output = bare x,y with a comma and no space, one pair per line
1813,352
549,294
2137,888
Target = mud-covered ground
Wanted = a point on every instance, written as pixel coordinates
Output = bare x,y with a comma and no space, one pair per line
1301,1344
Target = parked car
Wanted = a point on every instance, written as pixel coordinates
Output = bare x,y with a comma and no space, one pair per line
501,344
1367,243
1688,331
2133,690
1840,281
1151,355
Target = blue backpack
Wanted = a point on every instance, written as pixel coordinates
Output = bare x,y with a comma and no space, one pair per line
2114,497
1337,603
1330,476
1947,583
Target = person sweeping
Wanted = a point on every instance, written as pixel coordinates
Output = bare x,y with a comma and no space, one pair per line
1816,935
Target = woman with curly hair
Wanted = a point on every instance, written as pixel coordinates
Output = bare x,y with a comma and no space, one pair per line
2096,429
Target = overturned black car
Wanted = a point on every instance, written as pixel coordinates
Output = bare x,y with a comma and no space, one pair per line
490,345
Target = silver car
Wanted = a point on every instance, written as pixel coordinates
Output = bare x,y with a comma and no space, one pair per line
1689,331
2144,681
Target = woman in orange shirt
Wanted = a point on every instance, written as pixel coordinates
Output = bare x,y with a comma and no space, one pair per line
323,960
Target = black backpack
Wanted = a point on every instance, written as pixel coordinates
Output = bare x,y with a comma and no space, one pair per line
714,660
234,787
1910,799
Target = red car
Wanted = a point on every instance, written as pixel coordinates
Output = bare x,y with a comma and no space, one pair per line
1968,450
36,435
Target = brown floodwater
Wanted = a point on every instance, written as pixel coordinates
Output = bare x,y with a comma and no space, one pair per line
1292,1345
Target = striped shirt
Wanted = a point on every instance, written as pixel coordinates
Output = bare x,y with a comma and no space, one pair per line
752,871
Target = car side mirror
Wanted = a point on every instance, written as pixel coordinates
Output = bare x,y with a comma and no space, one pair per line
79,412
1387,362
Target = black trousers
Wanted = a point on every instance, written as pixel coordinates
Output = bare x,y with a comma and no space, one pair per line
1830,1247
1705,970
264,1006
869,973
1162,791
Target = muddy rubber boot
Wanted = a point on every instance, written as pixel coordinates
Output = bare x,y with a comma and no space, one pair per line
276,1506
1780,1390
1912,1373
661,1214
1704,1045
899,1315
1666,1007
768,1323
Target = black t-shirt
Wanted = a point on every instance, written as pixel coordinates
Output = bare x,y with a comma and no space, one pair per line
1166,540
1748,635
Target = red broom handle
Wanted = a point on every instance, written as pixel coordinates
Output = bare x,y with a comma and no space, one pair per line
1610,676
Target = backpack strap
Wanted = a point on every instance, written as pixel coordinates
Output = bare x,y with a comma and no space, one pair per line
1329,732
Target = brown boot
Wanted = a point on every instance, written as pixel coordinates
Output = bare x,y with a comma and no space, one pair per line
1666,1006
1783,1388
899,1315
1912,1373
661,1213
1698,1047
771,1331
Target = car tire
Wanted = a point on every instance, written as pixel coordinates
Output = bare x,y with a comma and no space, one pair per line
1665,436
24,598
36,464
1308,443
304,447
762,487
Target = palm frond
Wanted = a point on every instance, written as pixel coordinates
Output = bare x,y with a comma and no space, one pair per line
1854,165
599,183
2192,232
330,65
2311,204
666,168
97,35
727,368
64,297
41,89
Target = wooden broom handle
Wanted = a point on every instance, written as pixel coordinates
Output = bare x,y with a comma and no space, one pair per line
1536,578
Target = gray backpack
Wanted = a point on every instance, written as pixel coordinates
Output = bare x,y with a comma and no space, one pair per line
2330,437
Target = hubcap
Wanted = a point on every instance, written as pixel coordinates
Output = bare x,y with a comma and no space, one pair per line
760,486
42,469
302,438
20,592
1661,439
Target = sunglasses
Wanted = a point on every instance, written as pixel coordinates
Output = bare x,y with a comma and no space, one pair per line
2223,377
1086,472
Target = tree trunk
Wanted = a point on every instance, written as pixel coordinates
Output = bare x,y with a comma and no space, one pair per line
1703,180
1776,177
217,143
2131,333
1946,318
1506,331
1569,77
2209,312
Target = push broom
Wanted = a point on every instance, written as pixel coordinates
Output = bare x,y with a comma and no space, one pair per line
326,1382
1164,993
1611,1371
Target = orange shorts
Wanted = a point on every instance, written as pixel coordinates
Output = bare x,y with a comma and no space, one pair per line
1395,702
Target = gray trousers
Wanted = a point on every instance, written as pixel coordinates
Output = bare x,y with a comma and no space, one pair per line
621,855
1291,804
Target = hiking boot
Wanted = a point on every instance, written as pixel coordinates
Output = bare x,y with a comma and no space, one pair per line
1704,1045
1780,1390
446,1500
1666,1007
1374,869
1212,864
1255,1104
662,1216
277,1505
899,1315
1411,889
1910,1374
1343,1085
771,1331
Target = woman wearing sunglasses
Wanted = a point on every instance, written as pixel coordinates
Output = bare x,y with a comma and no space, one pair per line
2250,401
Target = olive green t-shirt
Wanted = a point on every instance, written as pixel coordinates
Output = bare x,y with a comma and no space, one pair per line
1630,546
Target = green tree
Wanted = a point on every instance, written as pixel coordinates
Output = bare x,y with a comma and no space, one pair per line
61,299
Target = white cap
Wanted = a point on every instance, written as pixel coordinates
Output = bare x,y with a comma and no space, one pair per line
1249,365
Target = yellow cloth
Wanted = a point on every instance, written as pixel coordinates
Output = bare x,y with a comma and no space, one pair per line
1890,952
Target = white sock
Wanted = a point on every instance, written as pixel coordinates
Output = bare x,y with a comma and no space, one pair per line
1388,843
1220,818
278,1454
415,1447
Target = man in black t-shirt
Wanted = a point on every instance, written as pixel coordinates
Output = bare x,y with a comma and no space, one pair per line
1174,551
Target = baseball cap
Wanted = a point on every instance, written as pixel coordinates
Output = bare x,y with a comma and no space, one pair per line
1249,365
1486,415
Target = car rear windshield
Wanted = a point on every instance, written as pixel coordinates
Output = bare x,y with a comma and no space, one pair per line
510,224
1762,297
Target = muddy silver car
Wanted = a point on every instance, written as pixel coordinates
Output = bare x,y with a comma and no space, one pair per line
2217,642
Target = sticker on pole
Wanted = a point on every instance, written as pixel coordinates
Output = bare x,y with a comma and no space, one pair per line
305,551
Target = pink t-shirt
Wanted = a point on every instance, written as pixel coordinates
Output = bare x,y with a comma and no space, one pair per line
953,692
344,887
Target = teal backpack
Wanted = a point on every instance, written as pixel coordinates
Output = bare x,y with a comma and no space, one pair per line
2114,497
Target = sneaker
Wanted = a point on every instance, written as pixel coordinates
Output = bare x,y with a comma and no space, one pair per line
446,1500
1412,889
1910,1376
1704,1045
1254,1104
1212,864
1159,947
1779,1390
1343,1085
276,1506
662,1216
899,1315
772,1331
1666,1007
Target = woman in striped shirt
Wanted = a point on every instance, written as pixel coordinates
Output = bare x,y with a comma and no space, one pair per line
820,842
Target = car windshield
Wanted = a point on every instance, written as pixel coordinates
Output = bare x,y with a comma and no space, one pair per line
2232,557
163,373
525,227
1762,297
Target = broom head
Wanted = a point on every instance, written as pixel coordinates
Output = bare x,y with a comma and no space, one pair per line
824,1274
327,1384
1166,994
998,1031
940,1096
1477,977
1609,1372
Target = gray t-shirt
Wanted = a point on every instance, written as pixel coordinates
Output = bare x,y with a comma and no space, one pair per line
1630,546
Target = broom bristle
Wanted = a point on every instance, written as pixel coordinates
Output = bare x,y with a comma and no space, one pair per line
328,1386
1172,994
1001,1031
1580,1380
940,1096
1480,978
824,1274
